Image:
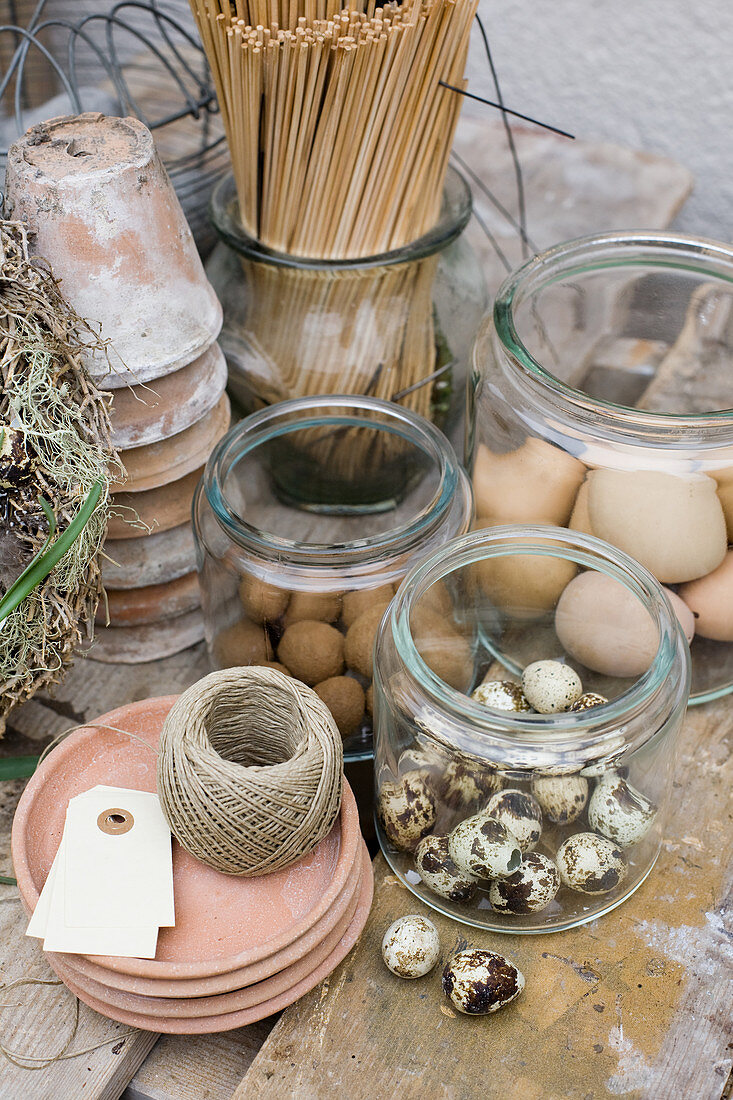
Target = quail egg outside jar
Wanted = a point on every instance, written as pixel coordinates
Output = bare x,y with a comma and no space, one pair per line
602,401
307,518
499,815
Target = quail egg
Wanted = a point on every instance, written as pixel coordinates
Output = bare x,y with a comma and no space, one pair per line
587,701
463,787
482,846
439,873
501,695
620,812
561,797
407,810
591,864
411,946
478,982
528,890
520,813
550,686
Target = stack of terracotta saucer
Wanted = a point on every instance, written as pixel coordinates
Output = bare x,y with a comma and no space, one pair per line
104,214
241,949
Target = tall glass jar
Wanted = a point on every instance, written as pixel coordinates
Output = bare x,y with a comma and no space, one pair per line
307,518
602,400
510,796
398,326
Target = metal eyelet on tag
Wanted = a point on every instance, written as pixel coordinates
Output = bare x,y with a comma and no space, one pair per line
115,821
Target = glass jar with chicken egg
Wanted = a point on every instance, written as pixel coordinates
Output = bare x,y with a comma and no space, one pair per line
525,748
309,514
602,401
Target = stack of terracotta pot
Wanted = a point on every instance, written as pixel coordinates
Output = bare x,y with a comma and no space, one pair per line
104,214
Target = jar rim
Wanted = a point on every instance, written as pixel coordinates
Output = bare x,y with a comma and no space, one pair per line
698,255
569,732
264,425
455,213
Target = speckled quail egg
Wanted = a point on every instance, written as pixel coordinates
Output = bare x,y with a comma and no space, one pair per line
528,890
550,686
439,873
411,946
501,695
463,786
478,982
520,813
562,797
587,701
482,846
407,809
603,768
618,811
591,864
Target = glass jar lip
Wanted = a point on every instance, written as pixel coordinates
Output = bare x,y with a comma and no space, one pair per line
609,250
275,420
566,731
454,216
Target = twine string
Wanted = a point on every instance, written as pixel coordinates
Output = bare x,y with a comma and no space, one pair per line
250,770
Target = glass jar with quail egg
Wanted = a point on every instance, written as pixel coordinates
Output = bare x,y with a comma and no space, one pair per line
603,402
525,747
307,518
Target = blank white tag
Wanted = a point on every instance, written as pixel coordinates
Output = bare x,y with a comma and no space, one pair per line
118,862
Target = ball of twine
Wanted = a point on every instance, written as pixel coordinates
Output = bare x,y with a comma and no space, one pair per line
250,770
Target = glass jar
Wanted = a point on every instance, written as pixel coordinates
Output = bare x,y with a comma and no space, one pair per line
602,400
475,745
308,515
398,326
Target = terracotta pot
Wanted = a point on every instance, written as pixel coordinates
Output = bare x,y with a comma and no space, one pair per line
146,414
169,460
152,604
133,645
159,509
153,559
104,214
200,1025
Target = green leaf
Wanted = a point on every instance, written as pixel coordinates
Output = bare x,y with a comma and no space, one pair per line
17,767
5,880
49,556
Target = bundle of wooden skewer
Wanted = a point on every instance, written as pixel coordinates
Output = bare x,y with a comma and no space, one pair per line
338,126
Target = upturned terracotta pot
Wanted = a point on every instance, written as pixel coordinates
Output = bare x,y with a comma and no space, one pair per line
159,509
134,645
152,604
155,559
170,459
146,414
102,211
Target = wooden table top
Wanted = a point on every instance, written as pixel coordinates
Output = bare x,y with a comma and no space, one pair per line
636,1004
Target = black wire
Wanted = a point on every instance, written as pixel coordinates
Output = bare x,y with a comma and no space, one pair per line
482,186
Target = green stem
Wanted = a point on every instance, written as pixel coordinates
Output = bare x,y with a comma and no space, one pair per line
5,880
17,767
49,556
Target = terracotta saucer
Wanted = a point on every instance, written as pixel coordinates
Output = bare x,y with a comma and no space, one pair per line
146,414
231,980
246,997
171,459
151,604
133,645
152,559
243,921
200,1025
159,509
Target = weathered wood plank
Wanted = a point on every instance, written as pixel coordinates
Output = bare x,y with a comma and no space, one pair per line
197,1067
636,1004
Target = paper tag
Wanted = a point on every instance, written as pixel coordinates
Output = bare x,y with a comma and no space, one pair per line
110,886
118,862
